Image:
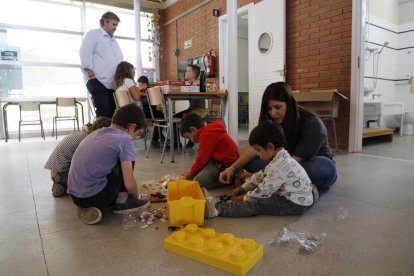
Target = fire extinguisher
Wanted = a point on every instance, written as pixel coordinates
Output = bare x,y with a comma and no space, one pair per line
210,64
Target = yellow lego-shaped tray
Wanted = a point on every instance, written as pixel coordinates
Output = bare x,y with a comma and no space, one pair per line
224,251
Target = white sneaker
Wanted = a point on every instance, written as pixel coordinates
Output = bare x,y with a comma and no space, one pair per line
211,201
315,193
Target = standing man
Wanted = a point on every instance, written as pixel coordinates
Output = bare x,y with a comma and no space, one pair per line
100,55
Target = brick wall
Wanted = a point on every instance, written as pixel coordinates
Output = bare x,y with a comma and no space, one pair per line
318,55
318,45
200,26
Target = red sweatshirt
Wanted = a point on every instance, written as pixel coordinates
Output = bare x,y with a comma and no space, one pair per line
216,144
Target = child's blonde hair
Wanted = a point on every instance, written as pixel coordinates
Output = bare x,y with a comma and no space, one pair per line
98,123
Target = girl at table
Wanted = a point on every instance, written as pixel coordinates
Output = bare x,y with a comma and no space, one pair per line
61,157
124,81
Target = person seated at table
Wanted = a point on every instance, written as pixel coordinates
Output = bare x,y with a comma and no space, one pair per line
124,81
217,150
61,157
191,74
101,174
143,85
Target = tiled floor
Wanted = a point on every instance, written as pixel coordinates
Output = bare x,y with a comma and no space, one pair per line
41,235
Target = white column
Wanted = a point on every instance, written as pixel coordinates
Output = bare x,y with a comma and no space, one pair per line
137,13
232,72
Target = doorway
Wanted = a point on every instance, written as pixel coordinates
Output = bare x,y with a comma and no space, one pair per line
386,58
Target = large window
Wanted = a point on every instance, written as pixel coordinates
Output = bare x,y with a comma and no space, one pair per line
40,41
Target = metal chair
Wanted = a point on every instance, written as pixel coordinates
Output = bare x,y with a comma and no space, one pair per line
156,97
30,115
66,110
123,97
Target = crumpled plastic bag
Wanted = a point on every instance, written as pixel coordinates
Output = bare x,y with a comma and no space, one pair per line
306,243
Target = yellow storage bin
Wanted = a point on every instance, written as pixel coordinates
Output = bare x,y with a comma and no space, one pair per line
186,203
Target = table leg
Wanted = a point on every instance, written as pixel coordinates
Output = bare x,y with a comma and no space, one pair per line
401,125
170,118
6,129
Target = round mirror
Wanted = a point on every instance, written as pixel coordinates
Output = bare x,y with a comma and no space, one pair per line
265,43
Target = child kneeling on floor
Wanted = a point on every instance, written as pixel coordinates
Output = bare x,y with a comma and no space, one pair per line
61,157
217,150
101,173
283,188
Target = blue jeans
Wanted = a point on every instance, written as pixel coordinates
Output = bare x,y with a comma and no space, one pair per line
320,169
102,98
208,177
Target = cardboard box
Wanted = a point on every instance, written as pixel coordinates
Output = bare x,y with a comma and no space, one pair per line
324,103
170,88
172,82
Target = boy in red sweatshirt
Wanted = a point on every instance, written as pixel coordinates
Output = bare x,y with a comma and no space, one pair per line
217,150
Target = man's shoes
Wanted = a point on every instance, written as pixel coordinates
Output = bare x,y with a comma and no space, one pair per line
58,189
315,193
90,215
189,145
131,205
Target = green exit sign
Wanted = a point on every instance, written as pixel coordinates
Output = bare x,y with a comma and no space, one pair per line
188,44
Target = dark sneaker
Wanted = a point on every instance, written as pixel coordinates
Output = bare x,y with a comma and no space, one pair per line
89,215
58,189
211,201
131,205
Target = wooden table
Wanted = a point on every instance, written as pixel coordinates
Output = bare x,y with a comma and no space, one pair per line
184,96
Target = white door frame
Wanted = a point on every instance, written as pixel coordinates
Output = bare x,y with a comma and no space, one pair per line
223,45
357,76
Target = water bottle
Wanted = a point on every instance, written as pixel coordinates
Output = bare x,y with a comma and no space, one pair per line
202,81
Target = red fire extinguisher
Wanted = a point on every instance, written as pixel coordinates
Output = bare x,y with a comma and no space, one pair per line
210,64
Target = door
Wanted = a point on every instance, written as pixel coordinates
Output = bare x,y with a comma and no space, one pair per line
267,40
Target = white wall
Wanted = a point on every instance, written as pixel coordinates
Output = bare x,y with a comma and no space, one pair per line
385,9
243,61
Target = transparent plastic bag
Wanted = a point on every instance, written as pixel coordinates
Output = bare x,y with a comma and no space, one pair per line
341,214
306,243
130,220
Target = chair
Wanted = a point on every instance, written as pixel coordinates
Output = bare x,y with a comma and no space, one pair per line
156,97
30,115
123,97
66,110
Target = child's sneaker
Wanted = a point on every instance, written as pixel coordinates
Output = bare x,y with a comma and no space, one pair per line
89,215
211,201
131,205
315,193
58,189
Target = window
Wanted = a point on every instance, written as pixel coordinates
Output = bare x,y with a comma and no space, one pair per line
43,41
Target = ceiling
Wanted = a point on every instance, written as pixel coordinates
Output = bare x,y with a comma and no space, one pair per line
129,4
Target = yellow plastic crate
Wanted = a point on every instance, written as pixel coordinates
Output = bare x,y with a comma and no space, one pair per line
186,203
224,251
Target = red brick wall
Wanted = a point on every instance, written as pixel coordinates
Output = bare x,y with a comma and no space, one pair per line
200,26
318,54
318,45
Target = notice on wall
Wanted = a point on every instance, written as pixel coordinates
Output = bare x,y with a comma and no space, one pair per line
188,44
9,55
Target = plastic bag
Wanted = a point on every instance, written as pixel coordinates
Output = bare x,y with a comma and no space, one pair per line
306,243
